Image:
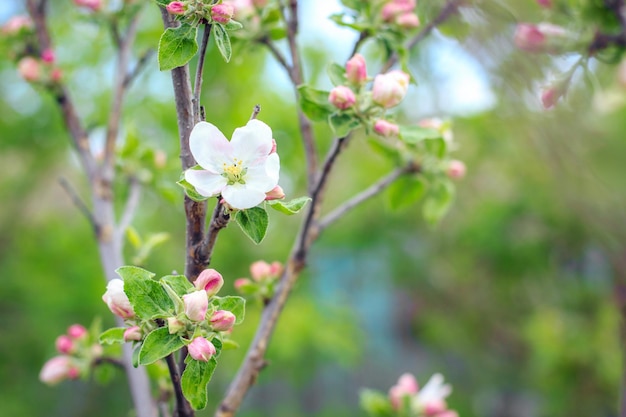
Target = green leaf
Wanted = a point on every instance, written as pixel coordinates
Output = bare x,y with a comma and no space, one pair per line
111,336
406,191
415,134
233,25
177,46
386,149
194,381
278,33
158,344
222,40
253,222
136,356
314,103
148,298
343,123
438,202
229,344
436,147
190,190
163,2
289,207
375,403
179,283
133,237
232,303
337,74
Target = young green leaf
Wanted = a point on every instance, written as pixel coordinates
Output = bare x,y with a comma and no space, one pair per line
337,74
222,40
113,335
148,298
233,25
289,207
177,46
158,344
253,222
375,403
438,202
342,123
178,283
232,303
415,134
406,191
194,381
190,190
314,103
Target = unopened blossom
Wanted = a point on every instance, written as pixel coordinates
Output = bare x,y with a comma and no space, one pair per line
405,387
408,20
276,268
448,413
545,3
94,5
356,70
260,270
29,69
550,96
58,369
117,300
342,97
64,344
55,75
16,24
196,305
435,408
201,349
210,281
389,89
132,333
241,282
242,170
48,56
76,331
386,129
174,325
276,193
243,9
395,8
443,127
434,391
176,7
543,37
222,320
222,13
456,169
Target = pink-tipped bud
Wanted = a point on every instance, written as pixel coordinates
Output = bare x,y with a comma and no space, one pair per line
547,4
48,56
275,193
201,349
77,331
196,305
448,413
222,13
276,268
389,89
456,169
273,150
57,369
93,5
222,320
116,299
342,97
210,281
408,20
544,37
549,97
176,7
260,270
435,407
406,386
397,7
174,325
356,70
29,68
241,283
17,24
386,129
132,333
56,75
64,344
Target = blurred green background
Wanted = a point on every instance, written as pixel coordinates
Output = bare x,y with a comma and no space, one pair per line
513,297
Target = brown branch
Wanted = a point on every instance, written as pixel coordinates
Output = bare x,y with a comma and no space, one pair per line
197,89
139,66
107,359
79,203
183,409
448,10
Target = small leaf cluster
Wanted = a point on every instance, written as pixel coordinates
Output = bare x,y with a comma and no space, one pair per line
165,329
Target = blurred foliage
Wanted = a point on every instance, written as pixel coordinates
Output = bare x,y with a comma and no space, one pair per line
511,297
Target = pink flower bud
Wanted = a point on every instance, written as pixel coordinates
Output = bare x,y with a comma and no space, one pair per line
545,3
456,169
29,69
64,344
406,386
48,56
397,7
389,89
386,129
57,369
222,320
356,70
408,20
260,270
544,37
94,5
201,349
174,325
222,13
448,413
56,75
342,97
435,407
132,333
276,268
210,281
116,299
196,305
16,24
241,283
176,7
76,331
275,193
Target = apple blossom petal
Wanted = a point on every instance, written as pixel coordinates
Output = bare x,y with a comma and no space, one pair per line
272,166
206,183
252,142
210,147
257,179
242,196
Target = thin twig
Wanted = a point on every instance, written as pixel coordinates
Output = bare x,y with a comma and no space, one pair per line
363,196
79,203
139,66
277,54
183,409
107,359
363,35
219,221
255,111
132,202
197,88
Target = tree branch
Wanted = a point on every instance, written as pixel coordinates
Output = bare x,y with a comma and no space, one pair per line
79,203
140,65
197,89
183,409
129,209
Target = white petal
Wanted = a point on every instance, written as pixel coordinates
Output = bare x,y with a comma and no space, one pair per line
206,183
242,196
209,147
252,142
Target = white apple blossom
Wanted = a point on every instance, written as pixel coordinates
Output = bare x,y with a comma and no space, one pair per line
242,170
435,391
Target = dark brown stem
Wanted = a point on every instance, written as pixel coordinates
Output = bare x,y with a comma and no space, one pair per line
106,359
79,203
183,409
357,45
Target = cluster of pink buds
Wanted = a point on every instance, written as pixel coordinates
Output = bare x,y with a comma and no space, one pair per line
428,401
92,5
197,9
17,25
40,69
401,13
264,276
76,352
